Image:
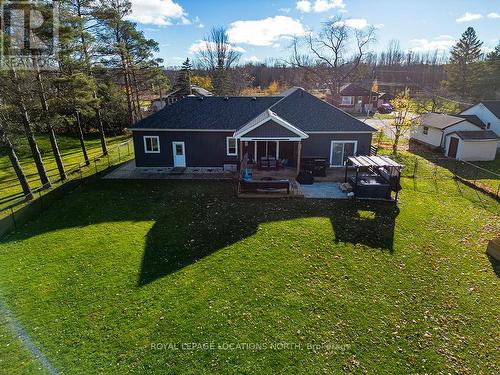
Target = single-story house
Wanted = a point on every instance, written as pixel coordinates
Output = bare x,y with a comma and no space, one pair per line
354,98
431,129
472,145
176,95
488,112
216,132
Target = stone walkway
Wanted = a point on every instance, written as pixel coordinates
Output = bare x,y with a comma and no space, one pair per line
323,190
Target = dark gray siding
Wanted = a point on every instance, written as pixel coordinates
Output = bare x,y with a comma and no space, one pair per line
208,149
318,145
203,149
270,129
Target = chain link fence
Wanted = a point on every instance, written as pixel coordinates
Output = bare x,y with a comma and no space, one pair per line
17,209
453,177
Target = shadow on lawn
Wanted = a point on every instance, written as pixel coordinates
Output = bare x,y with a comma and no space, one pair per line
180,240
195,219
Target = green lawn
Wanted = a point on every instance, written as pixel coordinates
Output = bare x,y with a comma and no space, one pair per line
110,276
71,154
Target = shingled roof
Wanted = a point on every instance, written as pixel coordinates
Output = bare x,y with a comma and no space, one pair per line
298,107
493,106
439,120
477,135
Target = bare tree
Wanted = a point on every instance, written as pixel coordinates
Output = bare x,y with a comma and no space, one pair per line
335,53
218,56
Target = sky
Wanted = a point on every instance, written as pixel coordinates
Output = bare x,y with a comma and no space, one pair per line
262,29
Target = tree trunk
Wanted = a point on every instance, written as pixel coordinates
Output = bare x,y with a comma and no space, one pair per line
395,143
45,108
138,101
29,133
98,116
15,164
80,136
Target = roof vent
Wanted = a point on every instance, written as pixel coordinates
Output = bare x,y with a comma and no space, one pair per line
226,98
254,98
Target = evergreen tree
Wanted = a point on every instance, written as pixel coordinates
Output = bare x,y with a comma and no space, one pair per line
184,78
463,67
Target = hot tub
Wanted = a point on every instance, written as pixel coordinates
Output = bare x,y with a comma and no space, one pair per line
373,186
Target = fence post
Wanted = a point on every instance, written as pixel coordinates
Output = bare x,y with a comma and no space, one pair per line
13,218
95,165
415,175
119,158
128,148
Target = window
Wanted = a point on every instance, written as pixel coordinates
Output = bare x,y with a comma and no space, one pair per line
426,130
151,144
341,150
347,100
231,146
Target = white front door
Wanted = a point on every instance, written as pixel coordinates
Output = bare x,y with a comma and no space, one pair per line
179,151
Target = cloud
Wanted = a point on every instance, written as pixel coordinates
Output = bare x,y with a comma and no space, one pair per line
253,59
303,6
285,10
306,6
324,5
355,23
158,12
441,43
469,17
201,45
493,15
486,50
264,32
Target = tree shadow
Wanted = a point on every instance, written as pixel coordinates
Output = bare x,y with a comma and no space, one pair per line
195,219
495,265
180,240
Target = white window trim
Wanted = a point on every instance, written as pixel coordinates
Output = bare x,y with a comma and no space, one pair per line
145,144
227,147
342,141
351,100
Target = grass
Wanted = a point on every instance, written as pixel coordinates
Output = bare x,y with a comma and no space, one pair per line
117,268
71,154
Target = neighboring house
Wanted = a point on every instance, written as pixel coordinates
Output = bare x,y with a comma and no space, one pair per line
354,98
384,98
472,145
431,128
488,112
217,131
176,95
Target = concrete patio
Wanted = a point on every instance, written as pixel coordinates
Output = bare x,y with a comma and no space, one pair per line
323,190
129,171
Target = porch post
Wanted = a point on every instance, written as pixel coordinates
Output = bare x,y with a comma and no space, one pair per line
240,153
299,149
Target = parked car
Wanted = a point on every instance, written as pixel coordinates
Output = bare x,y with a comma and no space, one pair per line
385,108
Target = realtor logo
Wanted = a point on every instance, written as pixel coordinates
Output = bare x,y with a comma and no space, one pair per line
29,34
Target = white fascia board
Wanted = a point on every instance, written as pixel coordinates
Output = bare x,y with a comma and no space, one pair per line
271,116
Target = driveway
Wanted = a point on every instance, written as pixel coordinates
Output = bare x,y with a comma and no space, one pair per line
381,124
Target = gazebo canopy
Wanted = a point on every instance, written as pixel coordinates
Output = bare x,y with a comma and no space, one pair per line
374,161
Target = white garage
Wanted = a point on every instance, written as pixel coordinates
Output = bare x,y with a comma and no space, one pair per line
472,145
